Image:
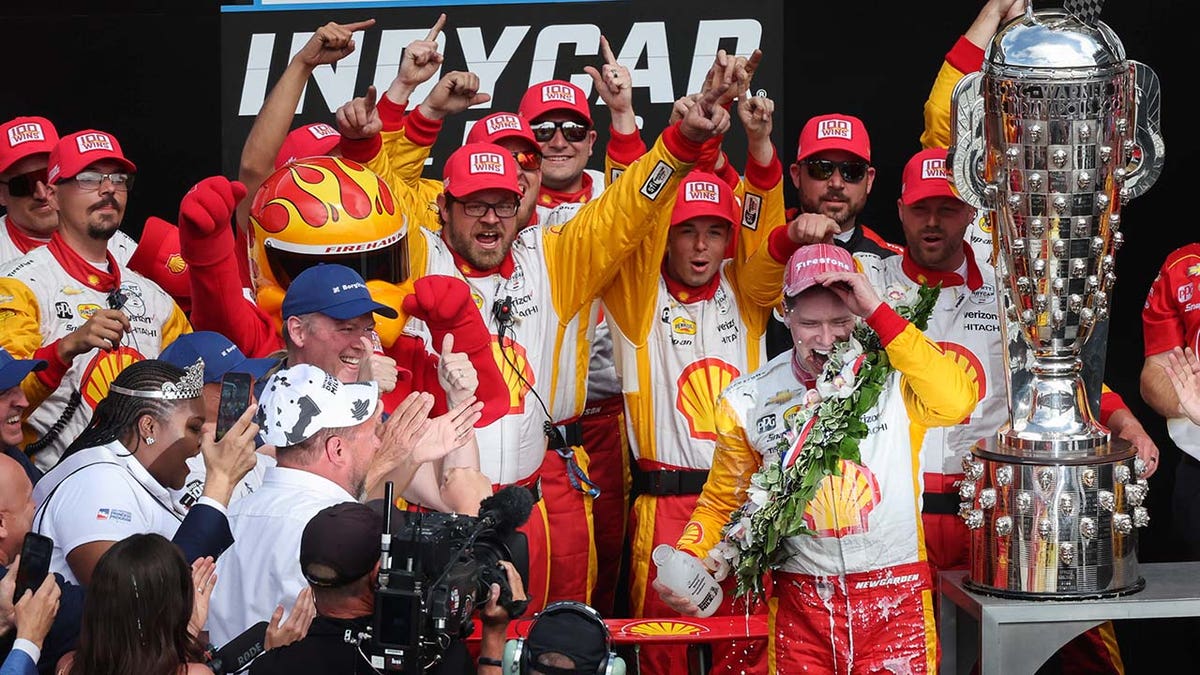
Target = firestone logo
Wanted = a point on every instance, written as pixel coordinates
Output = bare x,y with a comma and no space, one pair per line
933,169
487,162
503,123
93,141
835,128
702,191
558,92
24,133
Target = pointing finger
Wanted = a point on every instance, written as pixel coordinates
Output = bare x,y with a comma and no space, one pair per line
607,52
359,25
437,28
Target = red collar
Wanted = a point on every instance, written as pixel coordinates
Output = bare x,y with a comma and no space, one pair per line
83,271
504,269
947,279
22,241
689,294
551,198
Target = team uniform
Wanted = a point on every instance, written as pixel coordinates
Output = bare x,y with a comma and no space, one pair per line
825,610
677,347
51,292
15,243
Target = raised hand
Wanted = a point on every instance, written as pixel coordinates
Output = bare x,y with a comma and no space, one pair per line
812,228
358,118
420,62
35,611
681,106
445,433
454,93
103,330
331,43
615,86
209,205
204,580
376,367
456,373
756,114
1183,369
707,118
854,289
227,461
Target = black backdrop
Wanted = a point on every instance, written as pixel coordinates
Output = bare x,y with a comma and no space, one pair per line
149,72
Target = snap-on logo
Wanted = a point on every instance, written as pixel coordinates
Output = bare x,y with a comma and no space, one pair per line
503,123
93,141
702,191
487,162
558,92
834,128
321,130
24,133
934,168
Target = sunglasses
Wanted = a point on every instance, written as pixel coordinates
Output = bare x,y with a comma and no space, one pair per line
573,132
822,169
528,160
25,184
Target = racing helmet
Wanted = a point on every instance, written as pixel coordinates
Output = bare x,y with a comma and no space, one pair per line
325,210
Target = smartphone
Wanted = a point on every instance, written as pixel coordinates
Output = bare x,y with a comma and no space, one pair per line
35,563
235,398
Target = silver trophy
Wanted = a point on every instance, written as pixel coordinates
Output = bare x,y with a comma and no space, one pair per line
1051,138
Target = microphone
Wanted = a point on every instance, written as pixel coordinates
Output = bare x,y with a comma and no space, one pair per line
240,651
502,312
506,510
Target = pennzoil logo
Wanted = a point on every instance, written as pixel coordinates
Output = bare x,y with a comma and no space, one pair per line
835,128
558,92
513,362
486,162
683,326
498,123
24,133
94,141
87,310
693,533
970,363
702,191
104,368
842,504
696,391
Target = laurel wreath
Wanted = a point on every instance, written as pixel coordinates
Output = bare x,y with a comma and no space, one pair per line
829,430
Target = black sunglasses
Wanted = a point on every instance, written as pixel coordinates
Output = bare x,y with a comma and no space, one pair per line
573,132
25,184
822,169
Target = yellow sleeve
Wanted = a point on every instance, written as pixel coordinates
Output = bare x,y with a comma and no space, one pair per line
21,333
733,463
759,276
937,108
938,392
629,300
583,254
401,162
177,324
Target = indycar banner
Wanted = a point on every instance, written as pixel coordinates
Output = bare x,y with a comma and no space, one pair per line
668,46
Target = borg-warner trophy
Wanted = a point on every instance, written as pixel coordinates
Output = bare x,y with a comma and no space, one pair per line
1050,139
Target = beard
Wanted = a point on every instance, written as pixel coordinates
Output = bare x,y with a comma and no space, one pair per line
464,245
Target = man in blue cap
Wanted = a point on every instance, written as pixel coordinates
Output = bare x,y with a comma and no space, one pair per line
12,407
220,356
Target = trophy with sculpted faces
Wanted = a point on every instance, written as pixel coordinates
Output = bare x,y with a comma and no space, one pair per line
1051,138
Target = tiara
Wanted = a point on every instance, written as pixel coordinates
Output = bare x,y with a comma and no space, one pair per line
188,386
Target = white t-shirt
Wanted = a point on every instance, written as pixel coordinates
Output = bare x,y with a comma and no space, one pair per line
262,568
193,487
100,494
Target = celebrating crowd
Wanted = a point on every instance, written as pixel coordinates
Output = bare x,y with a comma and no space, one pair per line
647,350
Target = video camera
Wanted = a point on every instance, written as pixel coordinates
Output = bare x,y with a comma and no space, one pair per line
436,569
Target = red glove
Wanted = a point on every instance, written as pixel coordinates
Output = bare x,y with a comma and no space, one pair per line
444,303
205,234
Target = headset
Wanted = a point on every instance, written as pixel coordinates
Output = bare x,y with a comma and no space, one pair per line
517,658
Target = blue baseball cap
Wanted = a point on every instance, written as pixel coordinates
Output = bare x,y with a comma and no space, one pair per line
12,371
219,353
333,290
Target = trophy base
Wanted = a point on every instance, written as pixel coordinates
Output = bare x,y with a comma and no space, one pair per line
1065,531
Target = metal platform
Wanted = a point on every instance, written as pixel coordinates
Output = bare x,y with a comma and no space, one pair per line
1014,637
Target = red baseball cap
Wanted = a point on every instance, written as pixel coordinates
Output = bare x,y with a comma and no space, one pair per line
554,95
310,140
158,257
499,126
21,137
834,132
925,176
480,166
75,152
811,260
703,194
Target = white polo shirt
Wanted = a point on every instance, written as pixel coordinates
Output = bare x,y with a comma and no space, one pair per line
262,568
193,487
100,494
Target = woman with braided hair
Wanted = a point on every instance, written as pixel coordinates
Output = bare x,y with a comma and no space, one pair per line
114,479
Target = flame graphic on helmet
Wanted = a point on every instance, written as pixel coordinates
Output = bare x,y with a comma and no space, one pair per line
969,362
103,369
843,503
697,388
513,362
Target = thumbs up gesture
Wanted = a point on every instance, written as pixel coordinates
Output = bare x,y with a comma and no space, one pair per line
456,373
